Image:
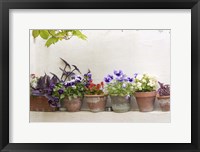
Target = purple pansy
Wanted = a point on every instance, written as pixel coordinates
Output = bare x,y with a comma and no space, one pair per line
130,79
135,75
118,73
110,76
107,79
60,91
52,86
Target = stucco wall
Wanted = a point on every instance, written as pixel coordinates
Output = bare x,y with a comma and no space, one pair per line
105,50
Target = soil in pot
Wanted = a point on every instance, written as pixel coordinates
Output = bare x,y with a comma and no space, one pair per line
120,104
40,103
145,100
96,103
73,105
164,102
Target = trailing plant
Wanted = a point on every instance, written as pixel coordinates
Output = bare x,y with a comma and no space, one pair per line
69,85
70,89
144,83
40,86
119,84
164,89
53,36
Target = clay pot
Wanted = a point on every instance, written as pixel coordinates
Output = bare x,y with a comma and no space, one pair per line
145,100
96,103
164,102
73,105
120,103
40,103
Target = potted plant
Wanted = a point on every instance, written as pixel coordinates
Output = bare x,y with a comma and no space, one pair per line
70,94
67,94
164,96
145,91
120,88
94,95
39,91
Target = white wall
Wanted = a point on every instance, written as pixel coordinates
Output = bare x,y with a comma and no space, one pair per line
106,50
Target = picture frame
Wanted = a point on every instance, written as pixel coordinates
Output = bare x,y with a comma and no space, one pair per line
5,5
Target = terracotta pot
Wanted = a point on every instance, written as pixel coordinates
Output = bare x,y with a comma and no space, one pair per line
120,104
73,105
96,103
164,102
40,103
145,100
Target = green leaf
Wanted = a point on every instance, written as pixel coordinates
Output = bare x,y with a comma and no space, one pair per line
50,41
74,96
62,96
44,34
52,32
35,33
79,34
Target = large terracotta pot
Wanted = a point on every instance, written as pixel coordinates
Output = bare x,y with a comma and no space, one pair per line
164,102
145,100
73,105
40,103
96,103
120,103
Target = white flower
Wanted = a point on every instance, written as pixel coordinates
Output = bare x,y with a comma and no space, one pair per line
139,77
143,80
139,84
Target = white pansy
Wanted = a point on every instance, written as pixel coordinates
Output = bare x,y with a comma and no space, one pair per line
139,84
139,77
143,80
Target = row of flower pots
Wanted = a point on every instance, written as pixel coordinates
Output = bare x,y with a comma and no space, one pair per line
67,92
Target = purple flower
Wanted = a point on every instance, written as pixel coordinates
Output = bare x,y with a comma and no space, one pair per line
120,79
50,92
89,75
60,91
52,86
78,77
135,75
107,79
130,79
56,99
110,76
118,73
54,103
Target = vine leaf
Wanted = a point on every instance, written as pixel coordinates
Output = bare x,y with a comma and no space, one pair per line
35,33
44,34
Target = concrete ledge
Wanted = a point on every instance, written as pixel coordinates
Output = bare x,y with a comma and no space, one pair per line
101,117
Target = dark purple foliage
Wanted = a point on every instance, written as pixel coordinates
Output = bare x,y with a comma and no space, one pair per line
164,90
44,86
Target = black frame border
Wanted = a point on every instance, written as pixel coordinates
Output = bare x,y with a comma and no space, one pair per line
5,5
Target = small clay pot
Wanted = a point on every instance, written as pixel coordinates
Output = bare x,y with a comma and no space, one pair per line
164,102
96,103
120,104
73,105
145,100
40,103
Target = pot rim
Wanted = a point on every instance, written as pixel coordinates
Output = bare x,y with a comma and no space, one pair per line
146,94
163,97
92,96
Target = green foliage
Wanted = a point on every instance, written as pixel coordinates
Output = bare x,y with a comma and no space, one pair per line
117,88
53,36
